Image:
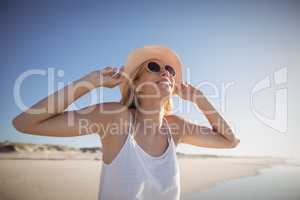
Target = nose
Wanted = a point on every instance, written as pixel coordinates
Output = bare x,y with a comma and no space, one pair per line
165,73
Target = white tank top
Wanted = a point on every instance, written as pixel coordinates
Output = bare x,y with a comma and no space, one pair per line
135,174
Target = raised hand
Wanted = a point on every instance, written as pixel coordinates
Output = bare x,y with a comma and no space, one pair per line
108,77
187,91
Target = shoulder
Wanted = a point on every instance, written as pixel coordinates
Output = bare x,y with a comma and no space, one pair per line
176,124
111,110
111,118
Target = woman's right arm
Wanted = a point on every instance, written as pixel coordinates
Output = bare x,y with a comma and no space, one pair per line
49,118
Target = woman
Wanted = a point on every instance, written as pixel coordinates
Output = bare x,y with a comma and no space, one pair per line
139,135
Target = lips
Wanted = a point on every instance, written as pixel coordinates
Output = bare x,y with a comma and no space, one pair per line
164,81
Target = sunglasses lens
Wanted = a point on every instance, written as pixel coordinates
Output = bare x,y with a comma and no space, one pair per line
171,70
154,67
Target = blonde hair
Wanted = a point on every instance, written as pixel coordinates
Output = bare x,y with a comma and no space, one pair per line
129,99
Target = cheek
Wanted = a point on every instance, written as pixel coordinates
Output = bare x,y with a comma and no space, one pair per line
146,86
148,83
149,80
152,76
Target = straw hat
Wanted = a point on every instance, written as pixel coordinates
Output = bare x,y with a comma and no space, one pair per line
139,55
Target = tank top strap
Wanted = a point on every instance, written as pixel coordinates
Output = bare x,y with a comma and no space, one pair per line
169,134
131,123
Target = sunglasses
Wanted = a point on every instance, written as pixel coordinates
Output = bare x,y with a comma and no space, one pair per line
155,67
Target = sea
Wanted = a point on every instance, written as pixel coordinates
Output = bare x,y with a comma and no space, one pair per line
280,182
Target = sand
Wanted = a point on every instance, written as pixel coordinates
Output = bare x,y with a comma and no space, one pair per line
36,179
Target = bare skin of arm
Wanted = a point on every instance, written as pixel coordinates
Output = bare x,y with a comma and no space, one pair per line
53,120
219,136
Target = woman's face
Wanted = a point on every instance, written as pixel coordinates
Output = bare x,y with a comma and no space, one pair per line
154,84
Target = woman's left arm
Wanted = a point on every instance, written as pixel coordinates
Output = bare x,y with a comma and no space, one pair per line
220,136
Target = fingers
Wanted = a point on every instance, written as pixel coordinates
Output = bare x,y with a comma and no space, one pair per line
107,71
185,84
181,87
116,73
178,87
111,71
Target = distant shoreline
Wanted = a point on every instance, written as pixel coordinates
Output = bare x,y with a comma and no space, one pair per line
30,151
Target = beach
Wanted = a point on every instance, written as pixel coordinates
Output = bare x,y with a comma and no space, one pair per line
70,174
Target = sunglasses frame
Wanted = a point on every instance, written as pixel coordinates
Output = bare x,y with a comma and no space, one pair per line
160,67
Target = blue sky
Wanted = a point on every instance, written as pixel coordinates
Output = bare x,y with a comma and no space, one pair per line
234,43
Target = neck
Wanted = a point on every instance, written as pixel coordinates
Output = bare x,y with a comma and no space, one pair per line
150,113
